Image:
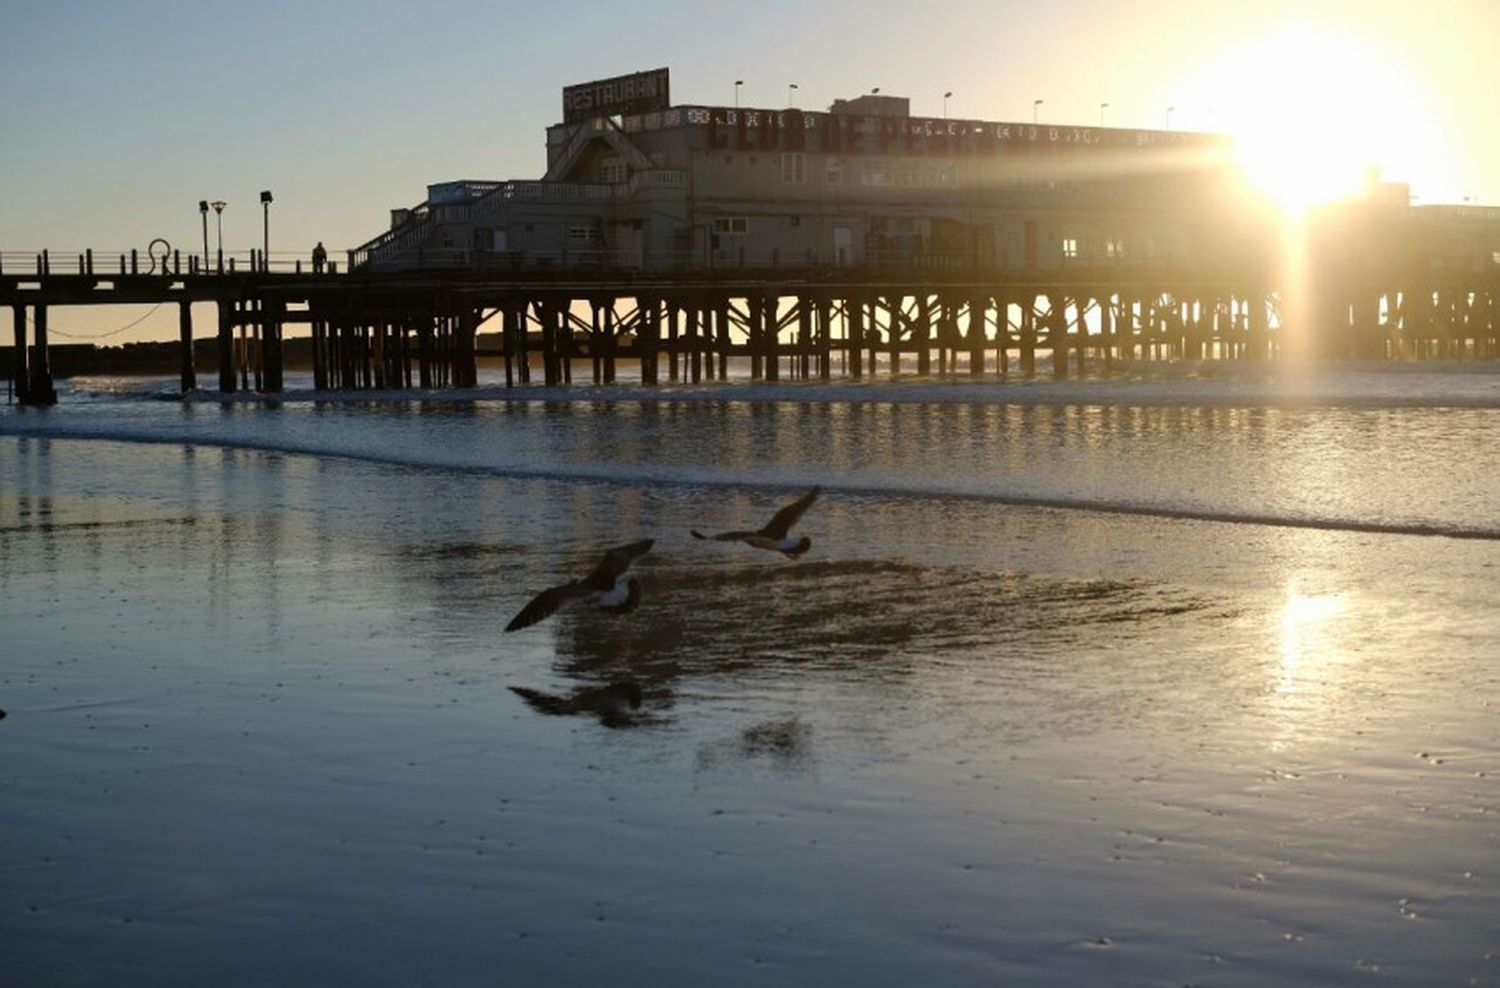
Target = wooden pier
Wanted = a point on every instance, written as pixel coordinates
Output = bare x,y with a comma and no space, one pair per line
418,329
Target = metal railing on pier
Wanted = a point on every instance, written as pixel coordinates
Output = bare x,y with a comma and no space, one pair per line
172,264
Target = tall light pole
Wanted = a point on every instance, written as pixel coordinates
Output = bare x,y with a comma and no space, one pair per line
265,246
1102,108
1169,117
737,84
219,205
789,87
946,96
203,211
1035,110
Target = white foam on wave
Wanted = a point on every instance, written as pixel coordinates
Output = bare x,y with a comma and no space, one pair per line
662,475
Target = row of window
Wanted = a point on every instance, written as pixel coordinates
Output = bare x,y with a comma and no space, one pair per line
1114,247
873,172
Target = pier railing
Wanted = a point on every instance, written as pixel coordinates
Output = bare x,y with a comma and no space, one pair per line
171,264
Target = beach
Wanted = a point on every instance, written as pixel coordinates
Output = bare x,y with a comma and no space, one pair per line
1096,682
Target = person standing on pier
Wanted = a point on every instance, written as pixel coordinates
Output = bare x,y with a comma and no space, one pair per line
319,258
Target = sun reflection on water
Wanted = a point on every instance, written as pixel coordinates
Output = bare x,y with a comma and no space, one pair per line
1309,656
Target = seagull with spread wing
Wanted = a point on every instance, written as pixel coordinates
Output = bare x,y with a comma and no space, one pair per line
774,537
614,592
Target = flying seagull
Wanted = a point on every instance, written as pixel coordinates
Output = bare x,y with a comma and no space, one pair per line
613,704
615,593
774,536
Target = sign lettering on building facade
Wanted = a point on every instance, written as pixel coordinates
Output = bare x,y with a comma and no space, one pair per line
640,92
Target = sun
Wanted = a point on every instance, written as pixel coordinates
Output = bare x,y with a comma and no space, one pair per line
1315,113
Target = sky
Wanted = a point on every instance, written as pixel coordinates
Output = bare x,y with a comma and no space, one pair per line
118,117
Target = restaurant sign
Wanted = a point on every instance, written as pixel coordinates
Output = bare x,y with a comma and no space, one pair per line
641,92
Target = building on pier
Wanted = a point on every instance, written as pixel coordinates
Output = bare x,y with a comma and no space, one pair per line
634,182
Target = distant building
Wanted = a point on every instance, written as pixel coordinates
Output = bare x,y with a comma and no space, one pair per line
1458,237
1379,230
633,182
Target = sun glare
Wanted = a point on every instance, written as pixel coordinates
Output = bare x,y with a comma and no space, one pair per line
1313,111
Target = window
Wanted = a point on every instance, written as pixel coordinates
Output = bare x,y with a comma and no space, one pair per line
612,171
834,171
583,235
794,167
1114,248
873,173
736,225
1070,247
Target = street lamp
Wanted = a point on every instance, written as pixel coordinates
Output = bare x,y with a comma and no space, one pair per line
219,205
203,211
1102,108
789,87
265,247
737,84
1169,117
1034,110
946,97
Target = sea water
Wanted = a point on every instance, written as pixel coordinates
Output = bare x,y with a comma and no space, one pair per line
1162,681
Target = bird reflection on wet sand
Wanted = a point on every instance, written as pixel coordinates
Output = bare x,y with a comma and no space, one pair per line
903,630
785,744
615,705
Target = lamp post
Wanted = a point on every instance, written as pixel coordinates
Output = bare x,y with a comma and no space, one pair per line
737,84
203,211
1169,117
219,205
1035,110
946,96
789,87
1102,108
265,246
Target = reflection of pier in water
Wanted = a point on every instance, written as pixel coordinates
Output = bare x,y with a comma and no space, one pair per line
397,330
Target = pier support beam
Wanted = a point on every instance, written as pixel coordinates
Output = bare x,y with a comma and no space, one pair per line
854,318
226,347
648,337
20,373
921,334
1028,337
270,346
185,346
40,391
466,370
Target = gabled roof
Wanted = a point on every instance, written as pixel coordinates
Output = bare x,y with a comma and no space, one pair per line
587,133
